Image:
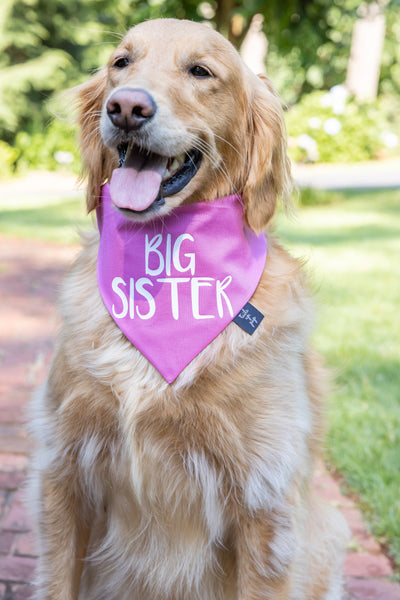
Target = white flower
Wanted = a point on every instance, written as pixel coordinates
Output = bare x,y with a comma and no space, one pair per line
315,122
339,92
335,99
332,126
63,157
326,101
390,139
338,106
307,143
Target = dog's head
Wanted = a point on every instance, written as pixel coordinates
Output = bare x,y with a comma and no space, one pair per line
186,121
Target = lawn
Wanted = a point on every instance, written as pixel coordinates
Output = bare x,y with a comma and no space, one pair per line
352,249
49,219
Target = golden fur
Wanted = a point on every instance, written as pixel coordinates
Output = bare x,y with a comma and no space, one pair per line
200,489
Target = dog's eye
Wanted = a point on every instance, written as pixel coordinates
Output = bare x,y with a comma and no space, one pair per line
199,72
121,63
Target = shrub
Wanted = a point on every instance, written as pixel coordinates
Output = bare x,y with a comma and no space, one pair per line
8,158
332,127
52,148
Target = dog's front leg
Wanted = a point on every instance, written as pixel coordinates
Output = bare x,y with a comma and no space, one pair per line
264,551
64,534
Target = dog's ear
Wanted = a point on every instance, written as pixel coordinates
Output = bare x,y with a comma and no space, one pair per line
268,174
97,159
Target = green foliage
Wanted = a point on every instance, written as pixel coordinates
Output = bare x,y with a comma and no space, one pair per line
390,64
8,158
329,127
309,44
54,147
25,87
50,45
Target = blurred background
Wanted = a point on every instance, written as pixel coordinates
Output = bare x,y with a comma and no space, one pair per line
335,64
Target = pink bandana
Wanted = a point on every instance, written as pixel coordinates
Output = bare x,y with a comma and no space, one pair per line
173,284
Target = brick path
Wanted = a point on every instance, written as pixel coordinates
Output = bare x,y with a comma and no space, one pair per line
30,273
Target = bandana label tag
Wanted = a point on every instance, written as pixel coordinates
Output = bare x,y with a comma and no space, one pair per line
249,318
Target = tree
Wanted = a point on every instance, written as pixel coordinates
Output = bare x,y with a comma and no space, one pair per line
49,45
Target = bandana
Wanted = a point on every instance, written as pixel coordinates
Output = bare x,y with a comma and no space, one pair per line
173,284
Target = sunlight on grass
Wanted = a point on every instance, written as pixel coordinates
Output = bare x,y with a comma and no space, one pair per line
353,250
48,219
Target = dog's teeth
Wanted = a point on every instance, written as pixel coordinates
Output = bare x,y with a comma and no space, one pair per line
175,165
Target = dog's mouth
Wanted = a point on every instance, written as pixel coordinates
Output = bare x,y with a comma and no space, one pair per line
144,179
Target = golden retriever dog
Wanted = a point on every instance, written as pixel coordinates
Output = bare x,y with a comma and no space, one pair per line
200,488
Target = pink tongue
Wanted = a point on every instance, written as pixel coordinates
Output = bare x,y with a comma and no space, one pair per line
136,185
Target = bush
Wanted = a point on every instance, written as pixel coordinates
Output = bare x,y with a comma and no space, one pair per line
8,159
332,127
52,148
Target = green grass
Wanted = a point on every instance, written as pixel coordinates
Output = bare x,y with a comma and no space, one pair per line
50,219
353,252
352,248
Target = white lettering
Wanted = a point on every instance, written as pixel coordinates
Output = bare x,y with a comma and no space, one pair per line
221,286
131,298
176,258
151,247
146,294
168,256
197,283
117,281
155,263
174,292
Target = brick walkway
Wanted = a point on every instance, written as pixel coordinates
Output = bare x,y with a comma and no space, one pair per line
30,273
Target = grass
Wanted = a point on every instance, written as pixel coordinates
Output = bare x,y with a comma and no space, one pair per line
49,219
351,242
353,250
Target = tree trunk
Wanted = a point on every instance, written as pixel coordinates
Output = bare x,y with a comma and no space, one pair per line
365,56
223,16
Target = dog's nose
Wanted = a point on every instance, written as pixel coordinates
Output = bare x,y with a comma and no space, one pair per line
130,108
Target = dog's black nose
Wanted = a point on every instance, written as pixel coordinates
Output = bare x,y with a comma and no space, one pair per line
130,108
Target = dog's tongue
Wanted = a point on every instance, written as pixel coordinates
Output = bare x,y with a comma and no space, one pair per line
136,185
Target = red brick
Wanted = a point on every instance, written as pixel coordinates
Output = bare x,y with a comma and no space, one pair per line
13,439
11,413
17,519
6,541
361,537
373,589
17,569
3,500
26,545
328,489
366,565
20,495
354,520
22,592
11,480
9,462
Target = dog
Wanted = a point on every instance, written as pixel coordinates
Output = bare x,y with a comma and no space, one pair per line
194,483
